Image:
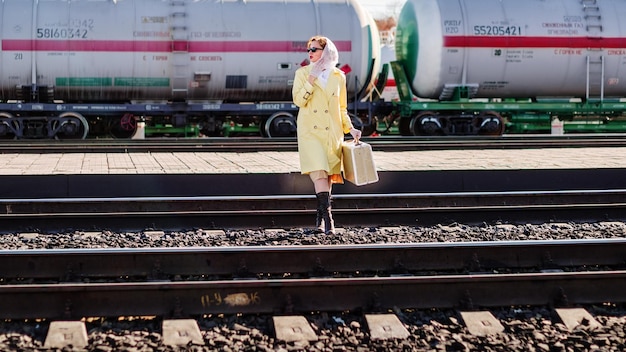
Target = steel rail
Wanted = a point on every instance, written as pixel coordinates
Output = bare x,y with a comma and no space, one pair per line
167,299
266,262
251,144
277,202
53,214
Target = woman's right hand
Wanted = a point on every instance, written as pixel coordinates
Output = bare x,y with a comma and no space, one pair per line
356,134
312,79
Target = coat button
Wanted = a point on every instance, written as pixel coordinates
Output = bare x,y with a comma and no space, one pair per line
326,128
326,111
315,111
314,127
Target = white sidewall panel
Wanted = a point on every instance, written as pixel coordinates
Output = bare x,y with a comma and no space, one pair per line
101,50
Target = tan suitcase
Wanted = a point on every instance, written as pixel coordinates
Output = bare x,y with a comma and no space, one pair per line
358,163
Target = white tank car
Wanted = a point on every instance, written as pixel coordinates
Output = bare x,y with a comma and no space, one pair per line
226,50
513,48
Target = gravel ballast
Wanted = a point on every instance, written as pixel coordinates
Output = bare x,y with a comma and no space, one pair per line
526,328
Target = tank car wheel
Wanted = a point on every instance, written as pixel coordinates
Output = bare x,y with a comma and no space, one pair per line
69,125
8,126
491,124
424,124
123,127
281,124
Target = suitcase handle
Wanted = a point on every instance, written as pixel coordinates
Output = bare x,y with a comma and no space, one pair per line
356,140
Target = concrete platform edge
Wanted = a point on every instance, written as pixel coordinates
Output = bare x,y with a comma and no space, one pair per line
187,185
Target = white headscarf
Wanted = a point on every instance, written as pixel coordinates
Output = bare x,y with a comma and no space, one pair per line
329,59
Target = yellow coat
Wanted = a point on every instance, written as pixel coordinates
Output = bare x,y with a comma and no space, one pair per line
322,120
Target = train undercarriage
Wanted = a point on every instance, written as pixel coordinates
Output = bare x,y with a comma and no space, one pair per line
407,117
63,126
124,121
462,114
68,121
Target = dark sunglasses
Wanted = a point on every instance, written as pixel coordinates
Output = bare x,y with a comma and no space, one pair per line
312,50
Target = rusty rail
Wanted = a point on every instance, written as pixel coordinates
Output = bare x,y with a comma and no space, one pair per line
214,263
176,299
138,213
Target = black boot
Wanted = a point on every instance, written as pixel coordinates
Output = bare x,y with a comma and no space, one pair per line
319,219
324,213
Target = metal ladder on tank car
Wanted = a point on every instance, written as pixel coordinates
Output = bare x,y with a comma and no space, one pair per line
180,49
595,60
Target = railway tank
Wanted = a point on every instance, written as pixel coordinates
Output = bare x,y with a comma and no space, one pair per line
192,62
511,48
480,67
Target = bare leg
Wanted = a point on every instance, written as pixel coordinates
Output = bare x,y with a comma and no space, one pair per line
322,185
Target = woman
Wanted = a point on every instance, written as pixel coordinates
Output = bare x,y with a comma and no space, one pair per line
319,90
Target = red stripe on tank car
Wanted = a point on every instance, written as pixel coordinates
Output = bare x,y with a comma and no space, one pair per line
257,46
533,42
157,46
91,45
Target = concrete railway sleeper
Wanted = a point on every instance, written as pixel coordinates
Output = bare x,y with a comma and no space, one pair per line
504,329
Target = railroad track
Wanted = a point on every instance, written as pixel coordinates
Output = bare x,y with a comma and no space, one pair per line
253,144
243,212
168,282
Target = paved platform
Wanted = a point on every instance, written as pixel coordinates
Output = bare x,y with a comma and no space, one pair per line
264,173
288,162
